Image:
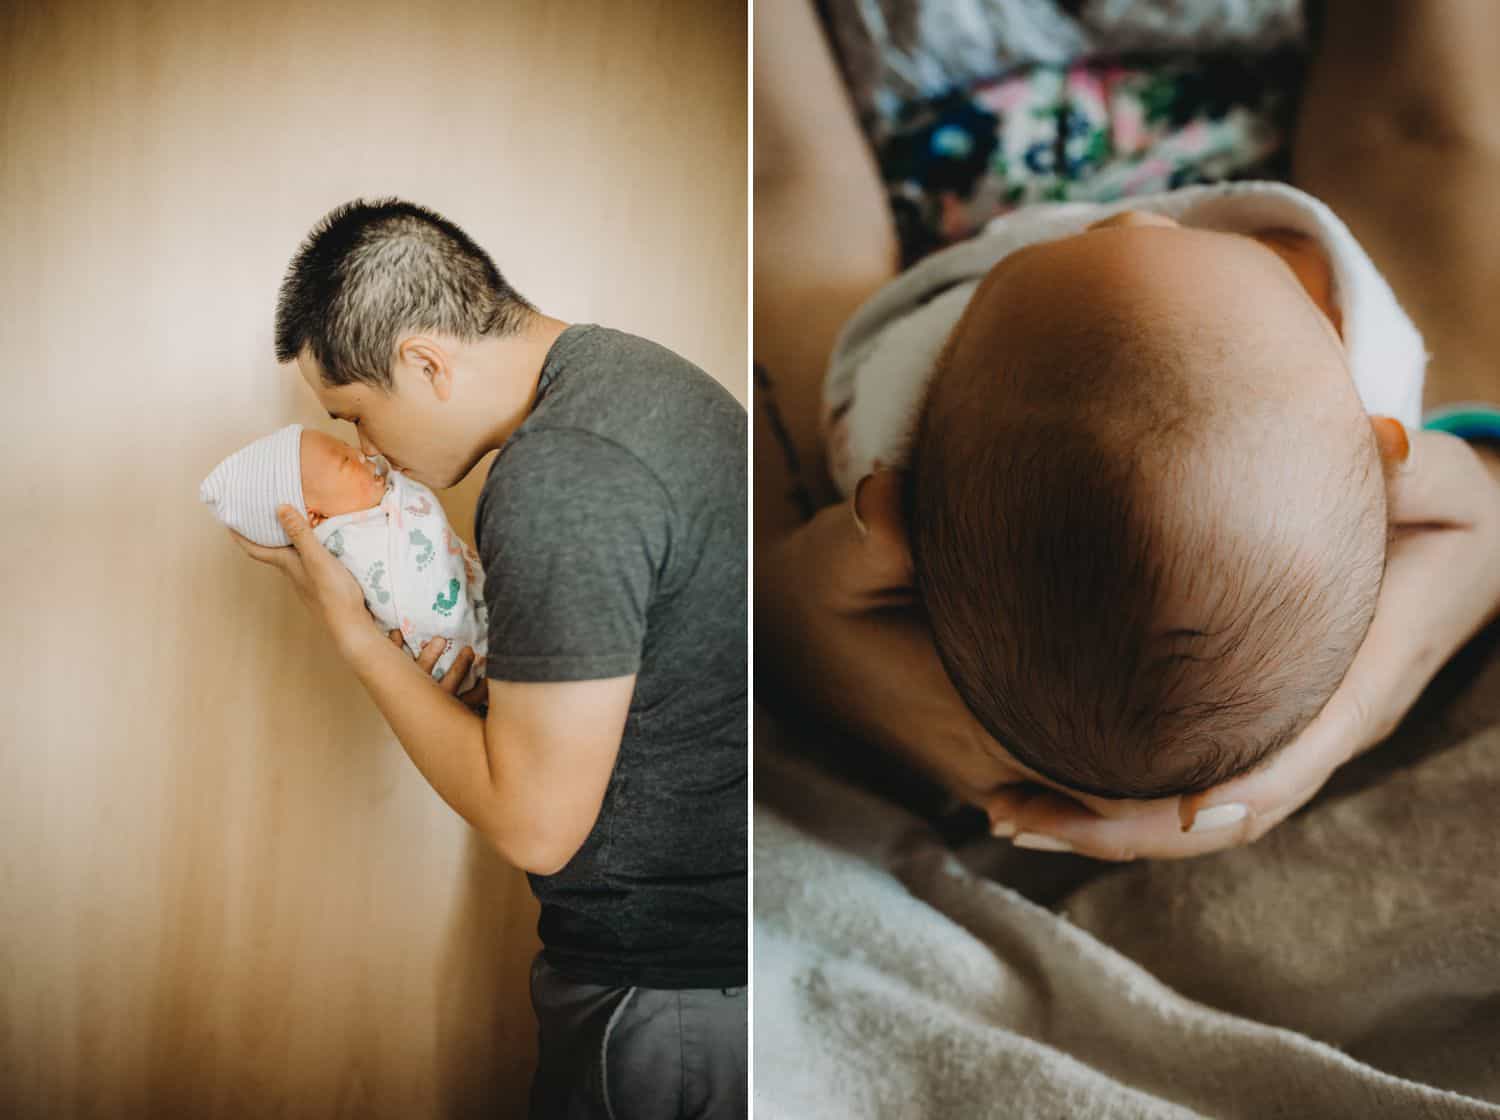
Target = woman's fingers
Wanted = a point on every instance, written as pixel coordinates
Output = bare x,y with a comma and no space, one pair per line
1234,813
1004,803
1049,821
394,636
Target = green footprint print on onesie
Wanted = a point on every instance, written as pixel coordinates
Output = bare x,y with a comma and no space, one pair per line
375,575
425,556
444,605
335,542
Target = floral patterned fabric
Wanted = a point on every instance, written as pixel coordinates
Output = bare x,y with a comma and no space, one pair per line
1091,131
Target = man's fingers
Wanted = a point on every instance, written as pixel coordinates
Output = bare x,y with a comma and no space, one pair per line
260,552
395,637
456,671
431,650
477,695
295,526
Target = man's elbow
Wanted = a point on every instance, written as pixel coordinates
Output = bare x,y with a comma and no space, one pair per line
537,854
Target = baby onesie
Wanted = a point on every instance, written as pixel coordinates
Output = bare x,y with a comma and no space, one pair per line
418,575
885,354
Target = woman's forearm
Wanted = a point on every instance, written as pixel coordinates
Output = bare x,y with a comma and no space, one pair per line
824,240
1399,132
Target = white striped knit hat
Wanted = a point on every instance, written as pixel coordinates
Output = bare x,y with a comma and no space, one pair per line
245,489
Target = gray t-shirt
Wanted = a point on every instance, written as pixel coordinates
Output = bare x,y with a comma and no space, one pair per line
612,528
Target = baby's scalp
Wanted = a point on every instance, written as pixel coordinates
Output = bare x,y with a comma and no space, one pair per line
1146,511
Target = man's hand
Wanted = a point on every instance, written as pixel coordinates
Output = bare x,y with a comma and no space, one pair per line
327,587
477,697
331,591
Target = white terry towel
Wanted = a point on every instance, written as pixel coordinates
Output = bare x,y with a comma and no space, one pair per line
418,575
884,356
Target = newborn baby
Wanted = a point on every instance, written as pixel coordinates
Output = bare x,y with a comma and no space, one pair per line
389,530
1143,498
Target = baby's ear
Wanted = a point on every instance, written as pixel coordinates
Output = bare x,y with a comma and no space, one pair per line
1391,441
877,513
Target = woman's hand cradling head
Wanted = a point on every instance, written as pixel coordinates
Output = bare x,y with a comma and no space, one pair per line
837,631
1441,586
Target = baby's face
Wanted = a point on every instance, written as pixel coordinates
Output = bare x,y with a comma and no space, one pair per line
336,478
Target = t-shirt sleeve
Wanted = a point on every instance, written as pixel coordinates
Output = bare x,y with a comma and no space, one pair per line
573,534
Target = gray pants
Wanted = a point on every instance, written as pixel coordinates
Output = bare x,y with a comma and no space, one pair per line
610,1053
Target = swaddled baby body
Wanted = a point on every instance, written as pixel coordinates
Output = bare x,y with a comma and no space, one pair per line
389,530
1141,490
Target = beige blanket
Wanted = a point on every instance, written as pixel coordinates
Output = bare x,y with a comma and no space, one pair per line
1347,965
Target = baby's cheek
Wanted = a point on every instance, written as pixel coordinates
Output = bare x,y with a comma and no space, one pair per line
341,493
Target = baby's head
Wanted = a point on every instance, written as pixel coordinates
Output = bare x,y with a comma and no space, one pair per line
291,466
336,478
1145,505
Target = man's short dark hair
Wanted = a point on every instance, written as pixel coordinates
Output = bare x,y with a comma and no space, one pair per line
370,272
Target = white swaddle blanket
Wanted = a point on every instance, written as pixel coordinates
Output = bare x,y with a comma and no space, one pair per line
419,576
885,354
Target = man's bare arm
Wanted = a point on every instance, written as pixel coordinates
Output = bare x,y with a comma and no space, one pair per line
529,777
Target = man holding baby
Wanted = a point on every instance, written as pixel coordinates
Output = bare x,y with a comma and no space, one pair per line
605,749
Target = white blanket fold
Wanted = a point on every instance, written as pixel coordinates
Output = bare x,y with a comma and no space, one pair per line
1347,965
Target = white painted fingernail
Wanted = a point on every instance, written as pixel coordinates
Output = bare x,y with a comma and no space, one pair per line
1220,816
1002,827
1041,843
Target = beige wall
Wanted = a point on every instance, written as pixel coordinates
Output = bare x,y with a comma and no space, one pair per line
224,889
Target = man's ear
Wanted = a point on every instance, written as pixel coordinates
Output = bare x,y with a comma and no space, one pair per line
877,513
1391,441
